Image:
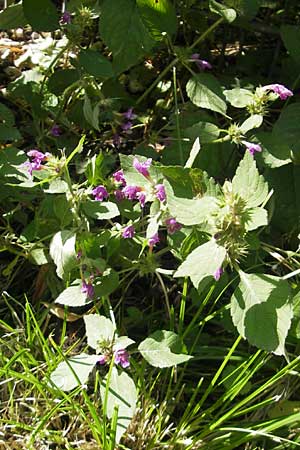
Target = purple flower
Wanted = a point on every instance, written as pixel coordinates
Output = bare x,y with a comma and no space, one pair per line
66,18
160,192
172,225
100,193
251,147
126,126
129,115
55,131
122,358
141,196
102,359
128,232
201,63
218,273
142,168
119,177
119,195
88,289
37,159
79,254
130,192
116,140
153,240
279,89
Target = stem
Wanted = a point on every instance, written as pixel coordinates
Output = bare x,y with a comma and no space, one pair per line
176,60
177,117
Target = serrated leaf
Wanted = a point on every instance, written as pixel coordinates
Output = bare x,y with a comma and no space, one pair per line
41,14
72,296
12,17
248,184
100,210
161,349
262,311
253,121
228,14
204,90
258,217
131,39
62,251
95,64
159,17
238,97
98,329
190,211
122,395
202,262
64,375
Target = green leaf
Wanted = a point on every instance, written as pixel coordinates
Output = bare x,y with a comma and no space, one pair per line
190,211
61,79
291,38
247,9
100,210
238,97
41,14
98,329
122,395
262,311
12,17
253,121
122,342
248,184
258,217
91,112
9,133
193,154
6,116
62,251
73,372
276,152
158,16
161,349
72,296
202,262
204,90
95,64
108,283
205,131
132,176
123,30
228,14
287,129
57,186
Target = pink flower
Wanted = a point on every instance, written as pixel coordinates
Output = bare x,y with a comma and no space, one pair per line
88,289
218,273
172,225
66,18
100,193
279,89
251,147
128,232
201,63
126,126
119,177
122,358
119,195
37,159
129,115
160,192
130,192
153,240
141,196
55,131
102,359
142,168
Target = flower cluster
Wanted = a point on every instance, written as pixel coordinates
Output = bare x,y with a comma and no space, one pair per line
100,193
278,89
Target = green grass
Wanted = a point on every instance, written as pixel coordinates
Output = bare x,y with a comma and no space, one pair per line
225,398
